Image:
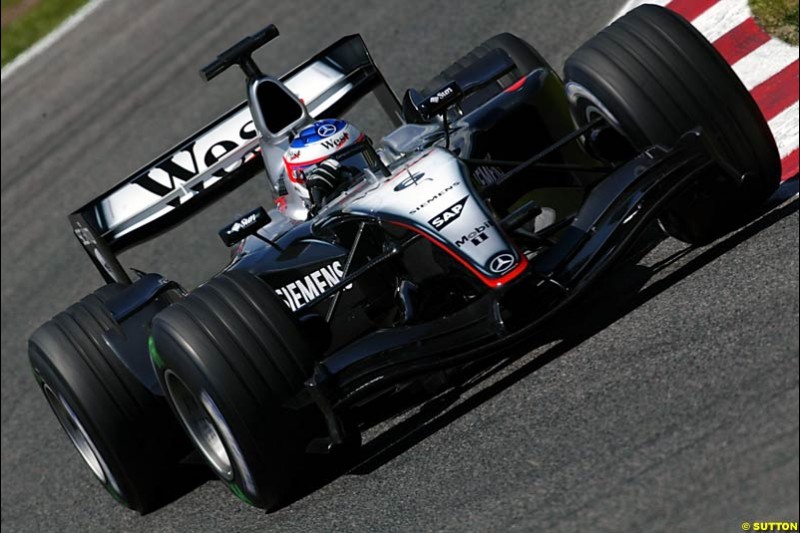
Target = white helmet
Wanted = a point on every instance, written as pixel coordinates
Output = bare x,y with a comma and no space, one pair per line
316,143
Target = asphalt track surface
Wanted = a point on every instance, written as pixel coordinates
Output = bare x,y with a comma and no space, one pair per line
671,406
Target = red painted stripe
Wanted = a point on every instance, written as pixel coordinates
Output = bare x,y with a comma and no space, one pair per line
778,92
741,40
690,9
790,165
516,85
773,95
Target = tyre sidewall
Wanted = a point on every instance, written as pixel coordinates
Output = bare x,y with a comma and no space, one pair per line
260,458
695,87
76,385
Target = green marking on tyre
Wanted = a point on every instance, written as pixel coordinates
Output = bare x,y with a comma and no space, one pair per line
117,496
239,493
154,355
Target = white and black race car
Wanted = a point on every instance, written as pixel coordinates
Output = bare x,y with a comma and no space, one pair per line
435,255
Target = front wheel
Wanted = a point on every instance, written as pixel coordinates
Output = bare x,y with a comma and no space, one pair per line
653,77
229,356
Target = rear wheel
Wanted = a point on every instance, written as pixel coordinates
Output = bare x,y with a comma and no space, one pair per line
229,356
123,432
653,76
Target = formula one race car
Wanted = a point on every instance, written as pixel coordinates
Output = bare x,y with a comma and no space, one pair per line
502,194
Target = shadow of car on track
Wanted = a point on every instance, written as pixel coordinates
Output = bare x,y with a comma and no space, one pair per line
596,311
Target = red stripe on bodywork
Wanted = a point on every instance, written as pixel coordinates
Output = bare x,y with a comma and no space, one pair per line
690,9
492,283
741,40
516,85
778,92
790,165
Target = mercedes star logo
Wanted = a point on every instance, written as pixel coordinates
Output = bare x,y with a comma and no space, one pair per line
326,130
501,262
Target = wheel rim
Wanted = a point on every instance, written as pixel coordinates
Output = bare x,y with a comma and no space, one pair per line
582,101
199,424
76,432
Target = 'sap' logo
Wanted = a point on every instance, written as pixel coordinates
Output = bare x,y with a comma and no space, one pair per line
448,215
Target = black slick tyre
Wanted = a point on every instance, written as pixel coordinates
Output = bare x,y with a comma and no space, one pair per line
653,76
124,432
229,356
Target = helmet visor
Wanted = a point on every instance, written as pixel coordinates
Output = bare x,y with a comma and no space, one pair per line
353,160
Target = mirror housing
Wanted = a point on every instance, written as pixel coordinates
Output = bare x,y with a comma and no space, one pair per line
418,108
244,226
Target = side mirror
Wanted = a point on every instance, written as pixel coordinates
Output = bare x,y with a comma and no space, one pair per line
411,101
440,101
418,109
244,226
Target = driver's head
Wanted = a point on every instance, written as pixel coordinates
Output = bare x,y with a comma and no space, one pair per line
315,143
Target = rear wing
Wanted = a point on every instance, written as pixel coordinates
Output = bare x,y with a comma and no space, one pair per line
219,158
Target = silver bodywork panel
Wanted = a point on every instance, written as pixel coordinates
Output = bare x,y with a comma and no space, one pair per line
432,193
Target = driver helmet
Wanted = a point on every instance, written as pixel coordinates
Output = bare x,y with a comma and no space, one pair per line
320,141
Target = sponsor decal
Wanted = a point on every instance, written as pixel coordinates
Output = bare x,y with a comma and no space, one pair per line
182,166
501,262
436,98
435,197
487,175
84,235
412,179
241,224
330,144
291,155
475,237
450,214
326,130
244,225
302,291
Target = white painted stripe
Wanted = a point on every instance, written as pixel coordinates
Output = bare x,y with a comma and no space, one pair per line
636,3
715,22
786,129
764,62
754,68
721,18
50,39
